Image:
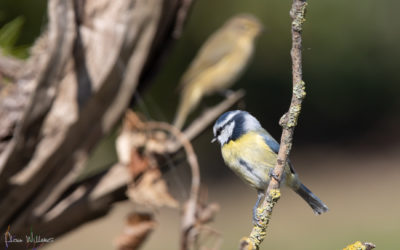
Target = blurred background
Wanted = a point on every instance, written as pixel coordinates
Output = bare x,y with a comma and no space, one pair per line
346,146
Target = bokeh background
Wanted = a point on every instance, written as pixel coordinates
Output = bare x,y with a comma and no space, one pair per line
346,146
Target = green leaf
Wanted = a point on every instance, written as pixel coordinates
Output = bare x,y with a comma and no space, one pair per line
9,33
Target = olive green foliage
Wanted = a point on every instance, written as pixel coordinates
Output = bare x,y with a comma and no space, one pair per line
21,21
9,34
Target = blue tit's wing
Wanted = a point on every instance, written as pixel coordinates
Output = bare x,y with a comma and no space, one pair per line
213,51
273,144
269,140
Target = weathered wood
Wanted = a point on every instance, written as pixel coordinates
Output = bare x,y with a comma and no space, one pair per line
81,77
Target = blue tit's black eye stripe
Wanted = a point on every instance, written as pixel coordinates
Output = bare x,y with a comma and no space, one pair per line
238,130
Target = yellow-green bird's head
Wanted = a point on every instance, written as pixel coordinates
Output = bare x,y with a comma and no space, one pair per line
244,25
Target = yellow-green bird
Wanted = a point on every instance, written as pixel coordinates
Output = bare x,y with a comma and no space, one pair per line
218,63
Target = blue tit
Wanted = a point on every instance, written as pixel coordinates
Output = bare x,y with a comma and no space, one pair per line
251,152
218,63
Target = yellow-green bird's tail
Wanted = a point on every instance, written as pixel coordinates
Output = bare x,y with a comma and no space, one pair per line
315,203
189,99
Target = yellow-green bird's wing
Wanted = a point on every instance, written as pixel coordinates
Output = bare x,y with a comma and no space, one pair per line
213,51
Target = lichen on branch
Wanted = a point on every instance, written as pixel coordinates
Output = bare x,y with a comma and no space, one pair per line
358,245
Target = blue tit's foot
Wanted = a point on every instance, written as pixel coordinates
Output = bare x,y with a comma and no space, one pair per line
226,92
273,175
256,218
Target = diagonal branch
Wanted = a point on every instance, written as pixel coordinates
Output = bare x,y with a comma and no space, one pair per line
288,123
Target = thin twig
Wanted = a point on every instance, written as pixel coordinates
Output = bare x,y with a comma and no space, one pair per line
189,214
181,17
288,122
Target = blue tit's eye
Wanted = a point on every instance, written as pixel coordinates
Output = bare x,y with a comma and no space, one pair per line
219,131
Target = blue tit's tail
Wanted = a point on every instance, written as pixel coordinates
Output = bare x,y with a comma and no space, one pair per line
315,203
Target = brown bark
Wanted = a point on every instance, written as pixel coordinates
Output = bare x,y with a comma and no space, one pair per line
75,87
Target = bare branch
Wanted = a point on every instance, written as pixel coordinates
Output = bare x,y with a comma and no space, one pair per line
288,122
89,200
181,17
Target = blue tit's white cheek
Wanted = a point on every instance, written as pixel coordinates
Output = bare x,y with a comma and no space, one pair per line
226,133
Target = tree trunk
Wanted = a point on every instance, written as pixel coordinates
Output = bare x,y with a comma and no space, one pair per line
74,88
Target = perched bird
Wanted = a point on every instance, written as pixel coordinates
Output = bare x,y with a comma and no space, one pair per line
251,152
218,63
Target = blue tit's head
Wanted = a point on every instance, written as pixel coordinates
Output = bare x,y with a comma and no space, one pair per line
233,124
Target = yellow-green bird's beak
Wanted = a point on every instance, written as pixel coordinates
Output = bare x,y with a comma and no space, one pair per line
214,140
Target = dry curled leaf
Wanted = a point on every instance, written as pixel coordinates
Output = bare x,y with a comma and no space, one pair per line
206,214
138,226
151,190
127,142
130,138
138,164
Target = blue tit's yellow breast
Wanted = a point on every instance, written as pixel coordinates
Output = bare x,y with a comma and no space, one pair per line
250,158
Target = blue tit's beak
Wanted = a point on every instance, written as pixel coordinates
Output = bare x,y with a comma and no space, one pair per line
214,140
